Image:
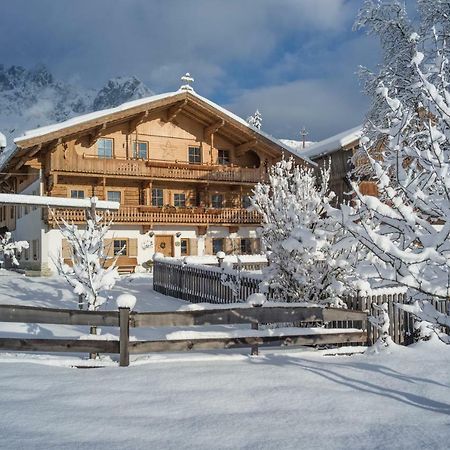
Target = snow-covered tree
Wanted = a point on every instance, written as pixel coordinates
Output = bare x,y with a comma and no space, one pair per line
311,259
87,274
10,249
407,227
255,120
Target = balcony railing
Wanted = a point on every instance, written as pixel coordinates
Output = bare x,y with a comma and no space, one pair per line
153,169
146,216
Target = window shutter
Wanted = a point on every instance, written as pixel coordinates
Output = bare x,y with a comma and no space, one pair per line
193,247
255,246
228,246
208,246
132,247
109,248
66,251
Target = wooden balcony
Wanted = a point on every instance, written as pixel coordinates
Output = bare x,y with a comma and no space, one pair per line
74,164
145,215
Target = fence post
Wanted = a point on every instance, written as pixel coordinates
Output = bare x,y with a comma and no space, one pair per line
124,323
369,331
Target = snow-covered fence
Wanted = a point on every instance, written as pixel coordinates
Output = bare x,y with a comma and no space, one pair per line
186,339
199,284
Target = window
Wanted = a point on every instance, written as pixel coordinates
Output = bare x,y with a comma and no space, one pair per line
105,148
246,202
114,196
120,247
26,210
184,247
157,197
217,201
223,157
140,150
76,194
217,246
195,155
246,246
179,200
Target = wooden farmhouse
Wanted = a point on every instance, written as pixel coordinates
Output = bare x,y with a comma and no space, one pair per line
181,167
338,151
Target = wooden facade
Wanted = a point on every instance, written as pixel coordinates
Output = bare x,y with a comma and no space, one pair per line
178,164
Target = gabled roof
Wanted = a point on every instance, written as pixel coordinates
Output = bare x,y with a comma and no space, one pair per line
333,143
85,122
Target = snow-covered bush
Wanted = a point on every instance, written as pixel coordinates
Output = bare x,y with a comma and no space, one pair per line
10,249
382,322
87,273
310,258
407,228
232,278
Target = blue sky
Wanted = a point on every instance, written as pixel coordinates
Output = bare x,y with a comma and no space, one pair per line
295,60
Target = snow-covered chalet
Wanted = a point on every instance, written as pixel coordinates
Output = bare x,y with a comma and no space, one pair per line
181,166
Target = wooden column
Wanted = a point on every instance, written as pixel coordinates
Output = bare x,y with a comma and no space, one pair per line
124,323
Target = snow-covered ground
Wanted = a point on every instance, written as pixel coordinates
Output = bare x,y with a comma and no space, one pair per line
283,399
290,400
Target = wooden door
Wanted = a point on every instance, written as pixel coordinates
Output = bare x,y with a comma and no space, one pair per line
164,245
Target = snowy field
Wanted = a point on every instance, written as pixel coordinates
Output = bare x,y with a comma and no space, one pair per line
289,399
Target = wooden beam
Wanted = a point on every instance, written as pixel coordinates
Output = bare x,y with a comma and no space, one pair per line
59,345
138,120
245,147
95,133
248,341
208,131
174,110
33,314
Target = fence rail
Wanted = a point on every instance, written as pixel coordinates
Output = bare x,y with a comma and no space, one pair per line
198,284
124,319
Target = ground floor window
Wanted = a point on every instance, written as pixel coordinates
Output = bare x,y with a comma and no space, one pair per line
246,246
184,247
114,196
120,247
217,246
76,194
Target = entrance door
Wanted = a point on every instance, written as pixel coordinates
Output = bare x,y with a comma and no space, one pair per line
164,245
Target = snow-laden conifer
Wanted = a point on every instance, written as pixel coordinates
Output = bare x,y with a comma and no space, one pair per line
310,257
255,120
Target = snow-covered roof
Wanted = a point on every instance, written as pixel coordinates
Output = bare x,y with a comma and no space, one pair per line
42,131
333,143
2,140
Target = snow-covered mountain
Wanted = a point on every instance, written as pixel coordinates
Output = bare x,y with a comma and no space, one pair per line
31,98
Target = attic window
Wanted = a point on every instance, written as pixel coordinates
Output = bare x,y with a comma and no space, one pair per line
105,148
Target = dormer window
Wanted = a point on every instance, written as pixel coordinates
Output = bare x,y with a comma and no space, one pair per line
140,150
105,148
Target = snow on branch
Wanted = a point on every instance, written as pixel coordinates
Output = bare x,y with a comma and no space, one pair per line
10,249
311,259
87,272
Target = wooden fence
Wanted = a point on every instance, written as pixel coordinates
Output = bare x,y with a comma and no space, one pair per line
198,284
192,340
